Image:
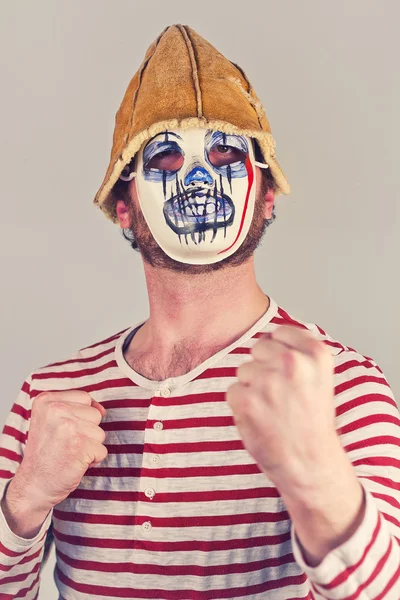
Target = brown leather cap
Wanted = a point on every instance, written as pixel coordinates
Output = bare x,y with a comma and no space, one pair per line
185,82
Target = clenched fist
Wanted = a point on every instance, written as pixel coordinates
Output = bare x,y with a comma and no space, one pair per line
64,440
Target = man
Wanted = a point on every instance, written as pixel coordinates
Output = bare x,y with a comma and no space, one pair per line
222,448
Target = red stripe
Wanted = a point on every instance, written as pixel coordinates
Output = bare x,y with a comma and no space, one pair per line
217,372
186,447
394,580
170,472
160,594
184,546
124,425
174,522
378,568
197,422
5,550
10,455
241,350
15,433
4,474
22,593
26,388
19,578
385,481
184,496
344,575
348,385
21,411
25,560
372,441
80,360
194,422
364,400
106,341
189,399
77,373
391,519
382,461
178,569
127,403
124,448
106,384
368,420
351,363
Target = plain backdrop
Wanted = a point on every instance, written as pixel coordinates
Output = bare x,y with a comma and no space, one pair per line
328,76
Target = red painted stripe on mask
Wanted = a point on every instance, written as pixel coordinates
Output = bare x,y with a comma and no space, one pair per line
250,175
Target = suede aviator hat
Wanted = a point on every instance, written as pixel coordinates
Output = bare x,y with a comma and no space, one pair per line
185,82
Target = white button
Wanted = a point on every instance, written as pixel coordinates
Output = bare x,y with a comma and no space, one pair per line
150,493
155,459
166,393
158,425
146,526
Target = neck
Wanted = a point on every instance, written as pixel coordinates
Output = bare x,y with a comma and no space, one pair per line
204,310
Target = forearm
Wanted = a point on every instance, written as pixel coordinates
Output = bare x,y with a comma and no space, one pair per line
326,508
23,515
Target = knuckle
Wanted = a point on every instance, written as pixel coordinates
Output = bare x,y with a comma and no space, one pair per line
41,398
59,407
288,356
67,424
75,442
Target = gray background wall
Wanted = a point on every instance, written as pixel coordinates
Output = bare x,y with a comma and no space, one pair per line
328,74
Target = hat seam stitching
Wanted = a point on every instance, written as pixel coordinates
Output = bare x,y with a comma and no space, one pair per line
195,77
248,92
142,69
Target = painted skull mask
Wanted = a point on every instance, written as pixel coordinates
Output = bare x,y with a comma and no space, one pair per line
196,189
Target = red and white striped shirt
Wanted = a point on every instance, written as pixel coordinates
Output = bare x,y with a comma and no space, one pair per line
179,509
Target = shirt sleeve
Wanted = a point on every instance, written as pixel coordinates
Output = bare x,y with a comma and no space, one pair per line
367,565
20,558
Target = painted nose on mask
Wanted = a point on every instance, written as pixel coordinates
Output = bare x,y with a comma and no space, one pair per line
197,175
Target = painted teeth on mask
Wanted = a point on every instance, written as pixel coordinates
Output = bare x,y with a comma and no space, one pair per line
192,211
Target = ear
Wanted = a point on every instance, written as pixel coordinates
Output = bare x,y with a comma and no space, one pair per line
122,214
269,199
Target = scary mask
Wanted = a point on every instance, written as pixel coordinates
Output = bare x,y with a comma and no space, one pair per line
196,189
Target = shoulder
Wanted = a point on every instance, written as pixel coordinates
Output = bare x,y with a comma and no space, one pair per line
79,370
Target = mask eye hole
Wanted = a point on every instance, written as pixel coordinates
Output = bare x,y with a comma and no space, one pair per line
221,155
166,160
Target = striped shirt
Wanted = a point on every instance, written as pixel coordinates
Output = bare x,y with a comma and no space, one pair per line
179,509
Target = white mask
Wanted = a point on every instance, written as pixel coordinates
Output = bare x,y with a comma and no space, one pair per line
196,188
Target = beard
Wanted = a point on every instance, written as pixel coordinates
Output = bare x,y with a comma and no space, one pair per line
157,258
